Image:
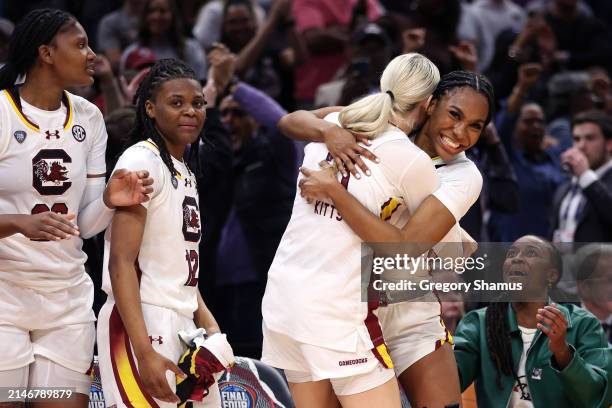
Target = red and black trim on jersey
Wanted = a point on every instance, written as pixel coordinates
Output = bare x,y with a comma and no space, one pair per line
12,95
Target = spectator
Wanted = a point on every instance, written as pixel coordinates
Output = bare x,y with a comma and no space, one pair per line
440,19
594,278
264,173
568,362
254,64
160,30
326,29
370,52
207,29
569,93
582,205
500,187
581,40
538,170
495,16
119,29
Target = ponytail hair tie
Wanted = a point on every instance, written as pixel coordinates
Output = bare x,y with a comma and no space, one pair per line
391,95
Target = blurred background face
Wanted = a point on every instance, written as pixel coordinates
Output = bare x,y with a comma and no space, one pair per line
239,123
158,17
456,121
238,26
530,128
589,139
597,289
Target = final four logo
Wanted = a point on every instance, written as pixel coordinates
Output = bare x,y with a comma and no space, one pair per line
79,133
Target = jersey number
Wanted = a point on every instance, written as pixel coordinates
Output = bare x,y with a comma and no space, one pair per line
192,263
59,208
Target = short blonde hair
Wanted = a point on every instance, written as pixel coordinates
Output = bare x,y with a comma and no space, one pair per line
407,80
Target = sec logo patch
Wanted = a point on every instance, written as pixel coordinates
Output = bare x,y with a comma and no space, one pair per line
20,136
79,133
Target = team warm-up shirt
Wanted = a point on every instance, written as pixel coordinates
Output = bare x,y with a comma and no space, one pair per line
168,261
45,157
314,287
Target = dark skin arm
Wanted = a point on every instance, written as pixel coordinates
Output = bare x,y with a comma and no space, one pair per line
126,238
427,226
343,145
203,318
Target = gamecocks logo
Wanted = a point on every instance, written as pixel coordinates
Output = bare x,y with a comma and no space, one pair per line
191,220
50,174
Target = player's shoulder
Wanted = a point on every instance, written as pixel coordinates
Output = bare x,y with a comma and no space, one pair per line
82,106
143,153
461,164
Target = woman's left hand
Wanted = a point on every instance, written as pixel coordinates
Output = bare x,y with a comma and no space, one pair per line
552,323
316,184
126,188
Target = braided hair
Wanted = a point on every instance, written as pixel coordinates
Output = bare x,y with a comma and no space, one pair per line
37,28
460,79
164,70
497,326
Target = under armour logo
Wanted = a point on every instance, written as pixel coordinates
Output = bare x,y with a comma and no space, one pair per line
159,339
49,134
187,182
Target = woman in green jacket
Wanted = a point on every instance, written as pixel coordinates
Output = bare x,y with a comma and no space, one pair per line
534,354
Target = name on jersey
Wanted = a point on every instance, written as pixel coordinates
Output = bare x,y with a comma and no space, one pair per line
327,210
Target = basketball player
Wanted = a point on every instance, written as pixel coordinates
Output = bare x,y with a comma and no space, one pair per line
151,254
52,193
315,326
460,108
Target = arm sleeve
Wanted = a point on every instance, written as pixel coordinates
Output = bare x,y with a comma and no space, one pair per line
94,215
265,110
460,188
505,122
467,349
586,377
96,159
599,195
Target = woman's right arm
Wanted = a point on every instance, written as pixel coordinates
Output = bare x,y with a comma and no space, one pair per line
43,226
126,237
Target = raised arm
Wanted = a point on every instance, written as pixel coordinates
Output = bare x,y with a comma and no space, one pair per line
343,145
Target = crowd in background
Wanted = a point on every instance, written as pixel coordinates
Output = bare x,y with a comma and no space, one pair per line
545,160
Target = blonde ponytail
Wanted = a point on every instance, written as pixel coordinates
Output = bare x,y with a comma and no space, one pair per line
407,80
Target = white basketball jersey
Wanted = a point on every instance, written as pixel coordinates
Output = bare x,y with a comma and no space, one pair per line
313,292
168,262
45,157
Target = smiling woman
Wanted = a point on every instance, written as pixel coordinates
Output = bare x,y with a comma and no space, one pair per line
532,352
